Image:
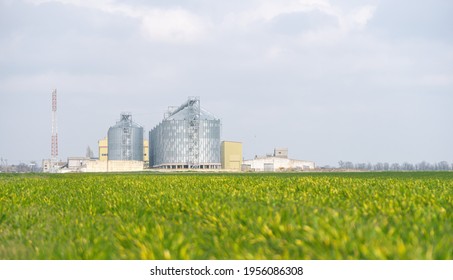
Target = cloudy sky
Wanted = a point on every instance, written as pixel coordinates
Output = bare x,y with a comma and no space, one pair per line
362,81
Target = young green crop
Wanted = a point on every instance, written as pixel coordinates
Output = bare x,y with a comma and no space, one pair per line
227,216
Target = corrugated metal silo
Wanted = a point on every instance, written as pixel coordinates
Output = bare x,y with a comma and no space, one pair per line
125,140
188,137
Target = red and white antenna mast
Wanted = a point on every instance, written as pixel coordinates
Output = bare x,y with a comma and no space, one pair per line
54,148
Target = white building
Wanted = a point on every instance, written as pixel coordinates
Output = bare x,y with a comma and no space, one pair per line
84,164
279,161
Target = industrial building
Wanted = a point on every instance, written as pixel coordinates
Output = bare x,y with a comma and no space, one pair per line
86,164
125,140
278,161
103,148
52,166
123,150
113,166
231,155
187,137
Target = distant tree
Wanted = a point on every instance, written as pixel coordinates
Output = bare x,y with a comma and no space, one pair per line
22,167
407,166
443,165
423,166
360,166
89,153
395,167
378,166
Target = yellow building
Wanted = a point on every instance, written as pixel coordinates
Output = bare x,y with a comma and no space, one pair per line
103,146
231,155
146,152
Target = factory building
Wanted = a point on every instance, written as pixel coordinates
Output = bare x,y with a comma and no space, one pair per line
278,161
86,164
146,152
123,150
112,166
187,137
125,140
103,148
231,155
47,165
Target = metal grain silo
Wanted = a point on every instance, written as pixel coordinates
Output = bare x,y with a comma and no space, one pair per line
125,140
188,137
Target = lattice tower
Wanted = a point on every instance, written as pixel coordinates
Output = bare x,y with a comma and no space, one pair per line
54,141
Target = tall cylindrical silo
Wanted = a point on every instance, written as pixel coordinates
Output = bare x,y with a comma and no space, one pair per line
125,140
188,137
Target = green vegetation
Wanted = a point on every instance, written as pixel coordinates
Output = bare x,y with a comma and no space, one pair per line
227,216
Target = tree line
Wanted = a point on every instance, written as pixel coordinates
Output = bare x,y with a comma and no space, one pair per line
406,166
21,167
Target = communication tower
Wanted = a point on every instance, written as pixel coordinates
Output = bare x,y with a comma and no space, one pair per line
54,141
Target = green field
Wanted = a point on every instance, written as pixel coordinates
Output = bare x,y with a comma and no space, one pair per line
227,216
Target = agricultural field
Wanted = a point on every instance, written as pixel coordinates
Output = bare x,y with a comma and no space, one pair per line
227,216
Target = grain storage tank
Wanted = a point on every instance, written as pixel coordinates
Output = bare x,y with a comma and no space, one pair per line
125,140
188,137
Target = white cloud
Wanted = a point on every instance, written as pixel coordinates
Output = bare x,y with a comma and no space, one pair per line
175,25
165,25
180,25
266,11
361,16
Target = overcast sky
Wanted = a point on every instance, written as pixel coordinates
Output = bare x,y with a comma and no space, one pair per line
362,81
